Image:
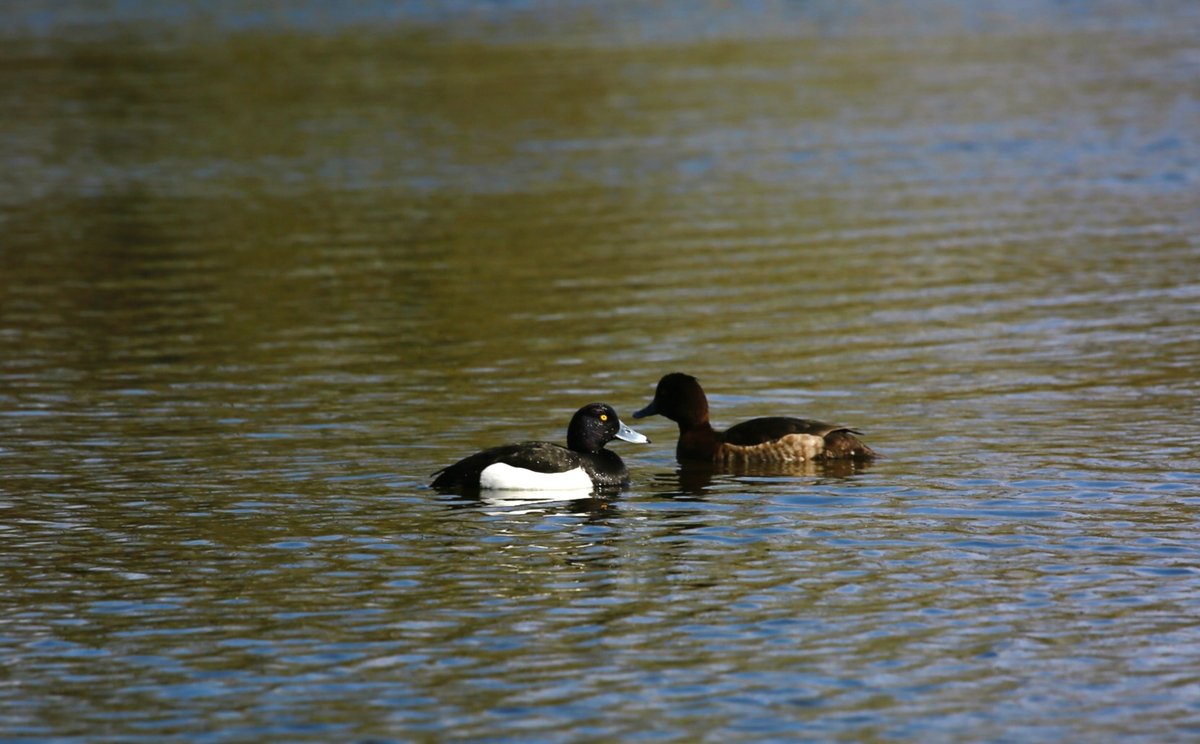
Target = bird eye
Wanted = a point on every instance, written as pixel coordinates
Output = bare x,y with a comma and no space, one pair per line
604,417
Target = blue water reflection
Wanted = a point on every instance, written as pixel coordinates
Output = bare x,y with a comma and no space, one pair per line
266,267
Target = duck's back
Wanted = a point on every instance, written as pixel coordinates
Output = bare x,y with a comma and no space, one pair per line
770,428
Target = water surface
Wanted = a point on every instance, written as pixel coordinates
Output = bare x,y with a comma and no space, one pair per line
262,272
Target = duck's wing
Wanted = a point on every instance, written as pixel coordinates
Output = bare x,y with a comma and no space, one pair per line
541,457
770,428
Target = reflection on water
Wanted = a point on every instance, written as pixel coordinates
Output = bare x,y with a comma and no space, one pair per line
264,271
698,478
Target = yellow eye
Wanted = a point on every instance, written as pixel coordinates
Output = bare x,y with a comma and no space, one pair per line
604,417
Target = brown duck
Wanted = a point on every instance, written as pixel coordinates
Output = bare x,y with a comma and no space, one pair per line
774,440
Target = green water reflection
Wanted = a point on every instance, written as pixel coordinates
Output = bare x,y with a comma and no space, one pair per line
259,278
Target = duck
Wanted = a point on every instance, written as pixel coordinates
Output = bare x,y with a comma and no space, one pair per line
583,465
769,441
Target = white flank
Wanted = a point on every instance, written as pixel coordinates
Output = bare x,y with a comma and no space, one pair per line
503,477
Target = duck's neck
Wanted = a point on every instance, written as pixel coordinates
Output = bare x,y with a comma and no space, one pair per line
582,444
697,441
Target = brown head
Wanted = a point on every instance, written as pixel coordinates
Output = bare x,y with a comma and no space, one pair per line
680,398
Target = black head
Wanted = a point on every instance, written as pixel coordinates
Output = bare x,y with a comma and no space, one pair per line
595,425
680,398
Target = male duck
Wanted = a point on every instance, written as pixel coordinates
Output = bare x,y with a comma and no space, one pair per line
583,464
760,441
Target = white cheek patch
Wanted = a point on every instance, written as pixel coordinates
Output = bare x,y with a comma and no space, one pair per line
503,477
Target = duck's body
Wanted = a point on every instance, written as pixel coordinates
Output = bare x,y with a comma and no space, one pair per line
761,441
583,465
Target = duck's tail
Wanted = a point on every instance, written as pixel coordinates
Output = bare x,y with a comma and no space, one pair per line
843,445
